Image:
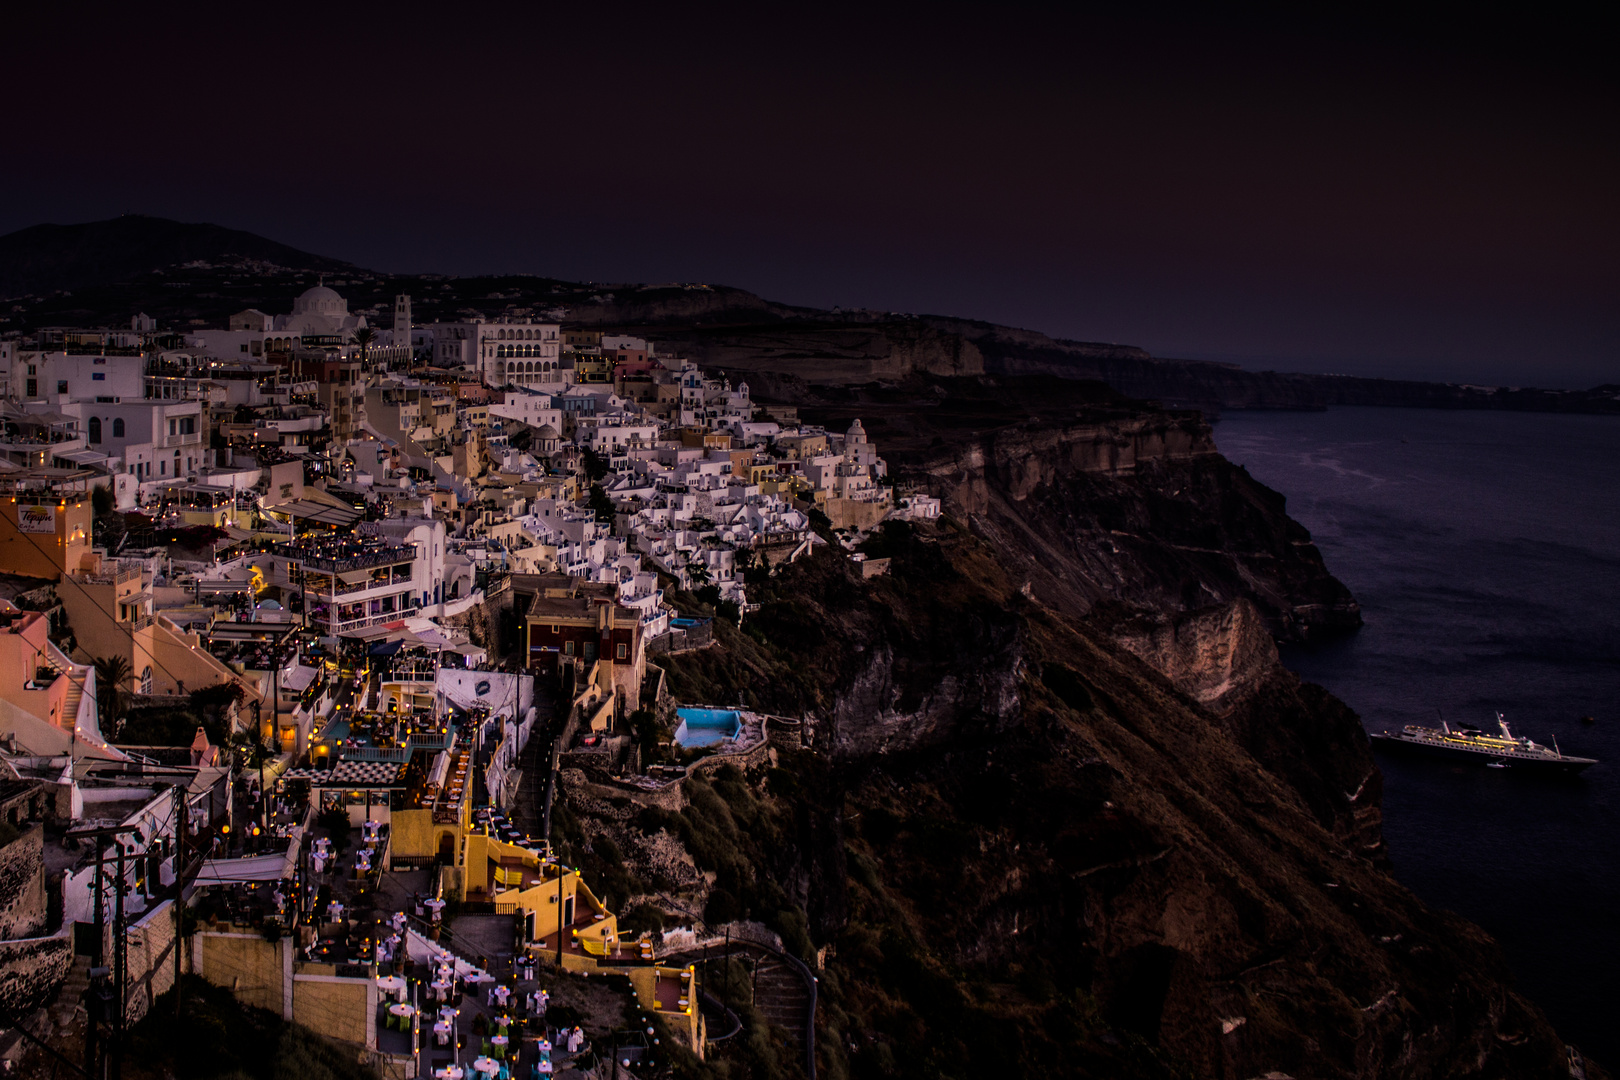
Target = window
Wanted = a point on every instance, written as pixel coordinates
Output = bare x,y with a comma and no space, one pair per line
188,425
163,468
33,386
622,652
95,429
98,376
118,427
568,648
100,360
61,386
171,427
31,370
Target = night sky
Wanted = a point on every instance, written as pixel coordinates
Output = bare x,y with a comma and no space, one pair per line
1378,196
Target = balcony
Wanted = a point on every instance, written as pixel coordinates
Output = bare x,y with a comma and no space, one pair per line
344,557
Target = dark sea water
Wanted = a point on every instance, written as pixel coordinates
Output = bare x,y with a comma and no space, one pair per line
1485,551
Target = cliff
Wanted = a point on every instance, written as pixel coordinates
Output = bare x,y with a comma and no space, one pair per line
1021,849
1090,498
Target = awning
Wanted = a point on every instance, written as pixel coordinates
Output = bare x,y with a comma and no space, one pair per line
278,867
386,648
441,769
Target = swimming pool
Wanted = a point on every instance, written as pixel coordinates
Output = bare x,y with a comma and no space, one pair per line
705,727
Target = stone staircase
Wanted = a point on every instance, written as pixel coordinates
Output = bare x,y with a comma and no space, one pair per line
70,705
67,1010
779,990
780,994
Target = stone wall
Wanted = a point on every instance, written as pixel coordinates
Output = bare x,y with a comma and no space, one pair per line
150,956
32,968
22,885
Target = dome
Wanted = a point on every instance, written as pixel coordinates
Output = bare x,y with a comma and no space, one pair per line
547,432
320,301
857,433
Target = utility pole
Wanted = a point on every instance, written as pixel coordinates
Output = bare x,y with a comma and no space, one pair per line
182,811
92,1029
120,965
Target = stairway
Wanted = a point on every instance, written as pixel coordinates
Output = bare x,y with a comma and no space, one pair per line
780,994
70,706
70,995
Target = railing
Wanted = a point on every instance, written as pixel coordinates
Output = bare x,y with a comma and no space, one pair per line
376,620
361,561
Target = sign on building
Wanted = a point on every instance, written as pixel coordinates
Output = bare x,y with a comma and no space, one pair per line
36,519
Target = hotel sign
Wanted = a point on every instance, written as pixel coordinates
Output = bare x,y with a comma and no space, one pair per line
36,519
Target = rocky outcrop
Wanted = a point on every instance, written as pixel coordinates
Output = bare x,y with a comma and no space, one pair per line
1218,656
1141,511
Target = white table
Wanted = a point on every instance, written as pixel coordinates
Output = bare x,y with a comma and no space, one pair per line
391,984
402,1010
441,1032
449,1072
335,911
499,1040
487,1066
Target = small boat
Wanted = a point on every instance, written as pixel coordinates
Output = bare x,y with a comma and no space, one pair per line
1466,743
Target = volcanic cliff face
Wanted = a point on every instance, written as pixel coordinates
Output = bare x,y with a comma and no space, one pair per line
1029,852
1090,498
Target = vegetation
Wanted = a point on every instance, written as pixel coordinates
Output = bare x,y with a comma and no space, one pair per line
111,698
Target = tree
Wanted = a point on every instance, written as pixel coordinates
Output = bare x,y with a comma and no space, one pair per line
101,500
363,337
112,700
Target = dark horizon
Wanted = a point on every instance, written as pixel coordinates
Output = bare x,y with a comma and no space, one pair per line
1335,194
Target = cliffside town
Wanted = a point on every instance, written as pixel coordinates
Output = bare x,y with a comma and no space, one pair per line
505,692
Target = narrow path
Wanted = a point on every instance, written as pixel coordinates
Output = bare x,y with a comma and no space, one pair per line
529,808
783,990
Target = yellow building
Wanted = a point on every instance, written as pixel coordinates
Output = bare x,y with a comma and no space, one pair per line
44,535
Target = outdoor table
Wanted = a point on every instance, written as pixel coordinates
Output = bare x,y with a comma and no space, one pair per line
402,1010
449,1072
441,1032
544,1065
362,861
399,921
486,1065
318,862
335,911
441,987
448,1013
498,1040
501,993
391,984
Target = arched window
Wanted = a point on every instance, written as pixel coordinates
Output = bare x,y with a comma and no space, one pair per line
95,429
146,680
118,427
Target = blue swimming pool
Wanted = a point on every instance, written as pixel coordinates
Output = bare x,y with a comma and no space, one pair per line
705,727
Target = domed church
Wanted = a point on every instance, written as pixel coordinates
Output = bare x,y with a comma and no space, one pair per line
321,311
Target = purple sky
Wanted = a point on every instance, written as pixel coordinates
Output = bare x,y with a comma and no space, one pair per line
1432,201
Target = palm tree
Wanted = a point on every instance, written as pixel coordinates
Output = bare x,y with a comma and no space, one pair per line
112,700
363,337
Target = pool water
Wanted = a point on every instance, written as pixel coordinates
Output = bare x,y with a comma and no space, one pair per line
705,727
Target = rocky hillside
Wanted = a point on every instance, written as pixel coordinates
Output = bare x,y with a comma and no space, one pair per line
1021,850
1091,498
1059,810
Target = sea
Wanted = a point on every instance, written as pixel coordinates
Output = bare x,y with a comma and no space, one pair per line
1484,548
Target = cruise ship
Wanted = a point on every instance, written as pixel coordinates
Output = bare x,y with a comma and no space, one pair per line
1466,743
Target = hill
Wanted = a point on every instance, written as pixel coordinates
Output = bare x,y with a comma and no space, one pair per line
51,258
185,275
